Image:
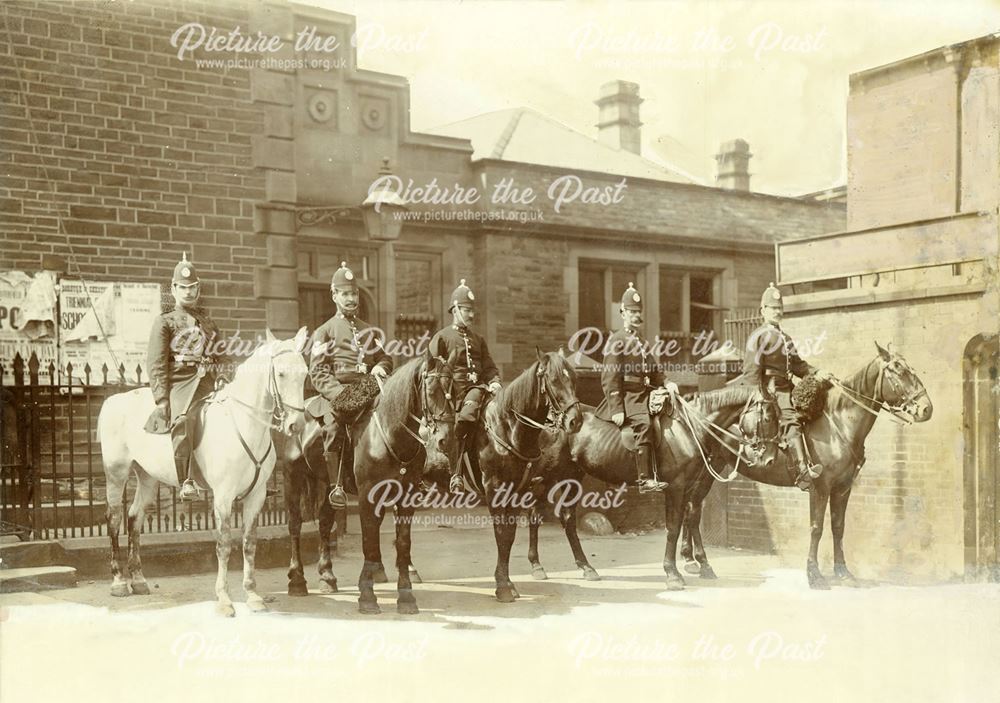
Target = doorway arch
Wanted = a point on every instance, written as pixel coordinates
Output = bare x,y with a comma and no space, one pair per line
980,420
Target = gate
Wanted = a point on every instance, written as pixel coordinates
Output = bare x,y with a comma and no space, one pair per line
52,478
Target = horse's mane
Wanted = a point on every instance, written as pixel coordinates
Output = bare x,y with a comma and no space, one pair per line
396,398
727,396
521,392
857,381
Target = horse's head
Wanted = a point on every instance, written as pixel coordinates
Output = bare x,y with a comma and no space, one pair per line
900,388
437,400
558,383
286,379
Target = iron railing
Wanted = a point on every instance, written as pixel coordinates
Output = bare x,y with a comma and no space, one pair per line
52,483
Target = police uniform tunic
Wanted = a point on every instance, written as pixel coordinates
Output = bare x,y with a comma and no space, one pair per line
180,363
771,357
630,372
474,368
339,357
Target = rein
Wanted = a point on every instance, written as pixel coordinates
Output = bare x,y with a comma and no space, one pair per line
895,411
275,420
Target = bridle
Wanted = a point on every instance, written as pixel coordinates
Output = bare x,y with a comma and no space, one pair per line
426,419
555,415
275,416
904,410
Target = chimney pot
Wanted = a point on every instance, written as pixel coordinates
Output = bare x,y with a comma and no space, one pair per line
618,122
733,162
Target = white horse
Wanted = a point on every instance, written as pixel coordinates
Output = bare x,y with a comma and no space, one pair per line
235,455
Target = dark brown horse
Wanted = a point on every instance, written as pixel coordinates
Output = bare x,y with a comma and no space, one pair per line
411,432
597,450
836,440
508,447
410,425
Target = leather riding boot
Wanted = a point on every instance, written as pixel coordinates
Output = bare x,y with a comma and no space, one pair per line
807,471
455,482
644,469
182,462
337,497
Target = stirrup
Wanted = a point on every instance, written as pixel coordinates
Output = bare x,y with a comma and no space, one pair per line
651,485
456,484
188,491
337,498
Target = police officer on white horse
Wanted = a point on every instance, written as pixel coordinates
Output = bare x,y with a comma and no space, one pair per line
182,368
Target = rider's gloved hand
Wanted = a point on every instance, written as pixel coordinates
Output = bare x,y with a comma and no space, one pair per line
671,387
494,387
379,372
822,375
618,419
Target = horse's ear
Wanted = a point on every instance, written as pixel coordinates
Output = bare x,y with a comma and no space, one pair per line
882,352
562,352
540,355
301,340
268,336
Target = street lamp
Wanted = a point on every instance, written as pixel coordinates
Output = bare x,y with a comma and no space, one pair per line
383,208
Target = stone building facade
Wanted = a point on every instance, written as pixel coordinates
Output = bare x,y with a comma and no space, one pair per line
144,155
917,267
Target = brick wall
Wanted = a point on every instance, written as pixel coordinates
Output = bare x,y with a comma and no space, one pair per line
141,154
906,509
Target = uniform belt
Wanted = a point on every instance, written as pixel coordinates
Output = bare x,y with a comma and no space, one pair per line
776,373
644,380
348,368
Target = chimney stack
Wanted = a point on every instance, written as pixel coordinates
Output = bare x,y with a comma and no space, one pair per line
618,122
733,160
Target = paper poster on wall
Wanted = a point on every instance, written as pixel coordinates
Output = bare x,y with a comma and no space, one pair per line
27,320
106,323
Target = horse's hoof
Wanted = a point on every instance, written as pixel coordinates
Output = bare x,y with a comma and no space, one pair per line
366,607
226,610
140,588
707,572
407,607
505,595
330,586
845,577
817,582
119,590
692,567
538,573
257,605
675,582
415,577
513,589
378,576
297,588
590,574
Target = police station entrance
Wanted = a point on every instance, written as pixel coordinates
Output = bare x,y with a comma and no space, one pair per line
981,422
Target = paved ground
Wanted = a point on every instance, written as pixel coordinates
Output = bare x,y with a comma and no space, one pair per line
757,632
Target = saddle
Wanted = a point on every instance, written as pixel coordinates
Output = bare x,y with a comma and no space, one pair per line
350,410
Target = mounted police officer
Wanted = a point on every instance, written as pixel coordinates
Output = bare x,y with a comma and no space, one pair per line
343,354
772,361
475,374
631,371
182,368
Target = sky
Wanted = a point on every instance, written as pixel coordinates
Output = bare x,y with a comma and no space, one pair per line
772,73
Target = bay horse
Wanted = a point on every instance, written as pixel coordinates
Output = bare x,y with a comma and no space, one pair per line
508,447
235,454
836,440
409,431
598,451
